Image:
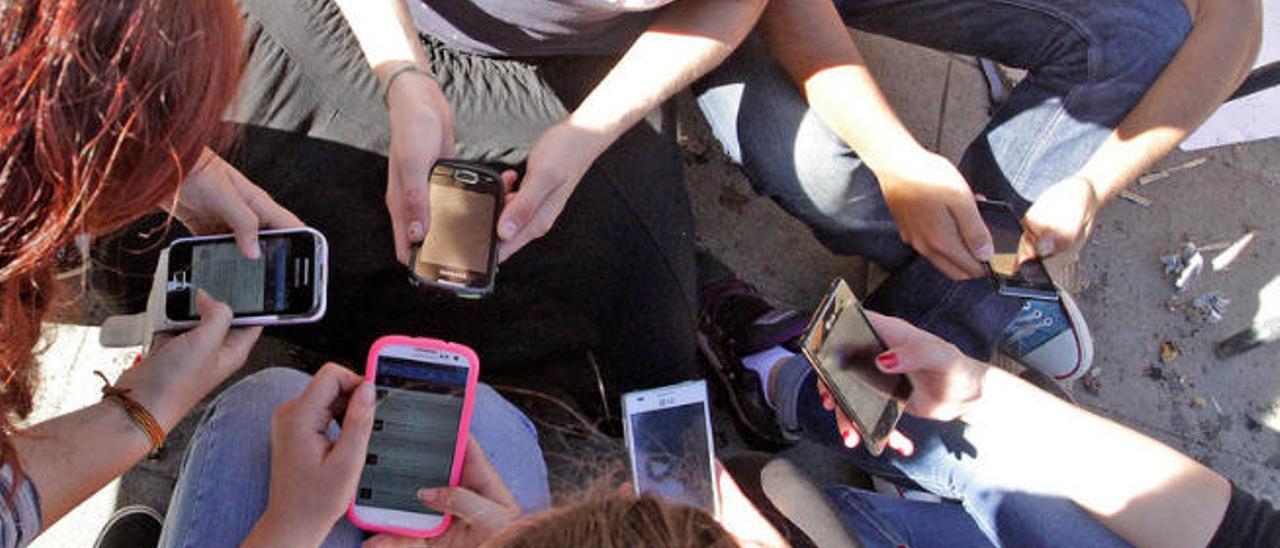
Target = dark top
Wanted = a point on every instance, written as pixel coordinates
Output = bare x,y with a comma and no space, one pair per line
1248,522
535,28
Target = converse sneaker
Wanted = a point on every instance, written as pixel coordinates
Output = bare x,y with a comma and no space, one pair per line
1050,337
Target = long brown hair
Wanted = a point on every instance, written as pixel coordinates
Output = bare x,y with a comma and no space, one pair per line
107,106
618,521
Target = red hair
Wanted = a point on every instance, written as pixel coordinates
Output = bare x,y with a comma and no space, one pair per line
107,106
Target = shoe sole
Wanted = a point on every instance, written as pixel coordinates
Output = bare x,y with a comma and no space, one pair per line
1084,340
739,416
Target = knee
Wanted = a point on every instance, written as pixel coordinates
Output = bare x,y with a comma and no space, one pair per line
1131,44
264,390
500,417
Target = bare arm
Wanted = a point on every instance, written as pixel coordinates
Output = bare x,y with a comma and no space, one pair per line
385,32
1139,488
931,203
1213,61
687,39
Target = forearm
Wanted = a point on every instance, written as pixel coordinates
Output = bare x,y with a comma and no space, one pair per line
384,29
813,46
69,458
684,42
1143,490
1215,58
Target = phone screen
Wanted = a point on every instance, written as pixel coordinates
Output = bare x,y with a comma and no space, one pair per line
415,432
459,244
1006,233
672,455
280,282
842,345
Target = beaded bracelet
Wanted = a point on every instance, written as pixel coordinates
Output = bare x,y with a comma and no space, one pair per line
141,418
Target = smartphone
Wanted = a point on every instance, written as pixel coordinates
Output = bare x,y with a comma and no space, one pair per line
285,285
425,389
841,346
1028,279
460,252
668,434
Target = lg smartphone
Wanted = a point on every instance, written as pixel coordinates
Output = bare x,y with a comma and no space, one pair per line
285,285
1028,279
841,346
460,252
425,389
669,444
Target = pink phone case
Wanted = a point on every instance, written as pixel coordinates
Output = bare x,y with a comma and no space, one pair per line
464,424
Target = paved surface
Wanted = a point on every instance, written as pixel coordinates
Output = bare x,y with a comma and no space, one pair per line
1121,288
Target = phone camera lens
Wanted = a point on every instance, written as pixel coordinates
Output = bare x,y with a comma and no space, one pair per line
465,177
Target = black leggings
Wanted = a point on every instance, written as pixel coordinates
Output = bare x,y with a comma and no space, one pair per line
615,275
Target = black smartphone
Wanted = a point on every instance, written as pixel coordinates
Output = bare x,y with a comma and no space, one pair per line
1028,279
285,285
841,346
460,252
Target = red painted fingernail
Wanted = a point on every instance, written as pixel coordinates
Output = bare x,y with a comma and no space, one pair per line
888,360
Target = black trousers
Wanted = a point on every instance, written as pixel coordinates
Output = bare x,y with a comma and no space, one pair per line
615,275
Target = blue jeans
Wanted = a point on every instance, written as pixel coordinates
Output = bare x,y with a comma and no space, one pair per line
1089,63
944,463
226,474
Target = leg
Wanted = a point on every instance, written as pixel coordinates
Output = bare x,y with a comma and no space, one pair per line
511,443
1089,63
226,473
946,464
790,155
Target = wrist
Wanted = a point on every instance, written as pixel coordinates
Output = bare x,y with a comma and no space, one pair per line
589,141
276,528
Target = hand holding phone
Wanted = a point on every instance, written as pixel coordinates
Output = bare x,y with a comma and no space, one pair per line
284,285
1012,271
944,382
312,478
843,350
481,504
425,391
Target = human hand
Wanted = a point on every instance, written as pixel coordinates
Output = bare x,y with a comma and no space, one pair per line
559,159
217,197
421,133
313,479
937,214
944,381
1059,218
481,506
183,369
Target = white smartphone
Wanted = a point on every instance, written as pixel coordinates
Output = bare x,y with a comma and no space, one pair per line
425,390
286,285
669,444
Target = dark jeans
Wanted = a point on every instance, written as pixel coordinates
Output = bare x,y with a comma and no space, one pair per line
614,276
1089,62
945,463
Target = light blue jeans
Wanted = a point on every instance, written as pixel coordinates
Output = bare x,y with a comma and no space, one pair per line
1089,62
226,474
944,463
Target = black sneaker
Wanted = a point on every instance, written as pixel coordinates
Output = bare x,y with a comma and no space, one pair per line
736,321
134,526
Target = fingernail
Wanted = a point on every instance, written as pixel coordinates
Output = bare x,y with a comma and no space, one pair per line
365,393
415,230
255,253
985,252
849,440
426,495
507,230
888,360
1045,246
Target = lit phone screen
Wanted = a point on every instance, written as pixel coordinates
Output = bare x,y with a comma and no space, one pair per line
672,458
247,286
415,431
